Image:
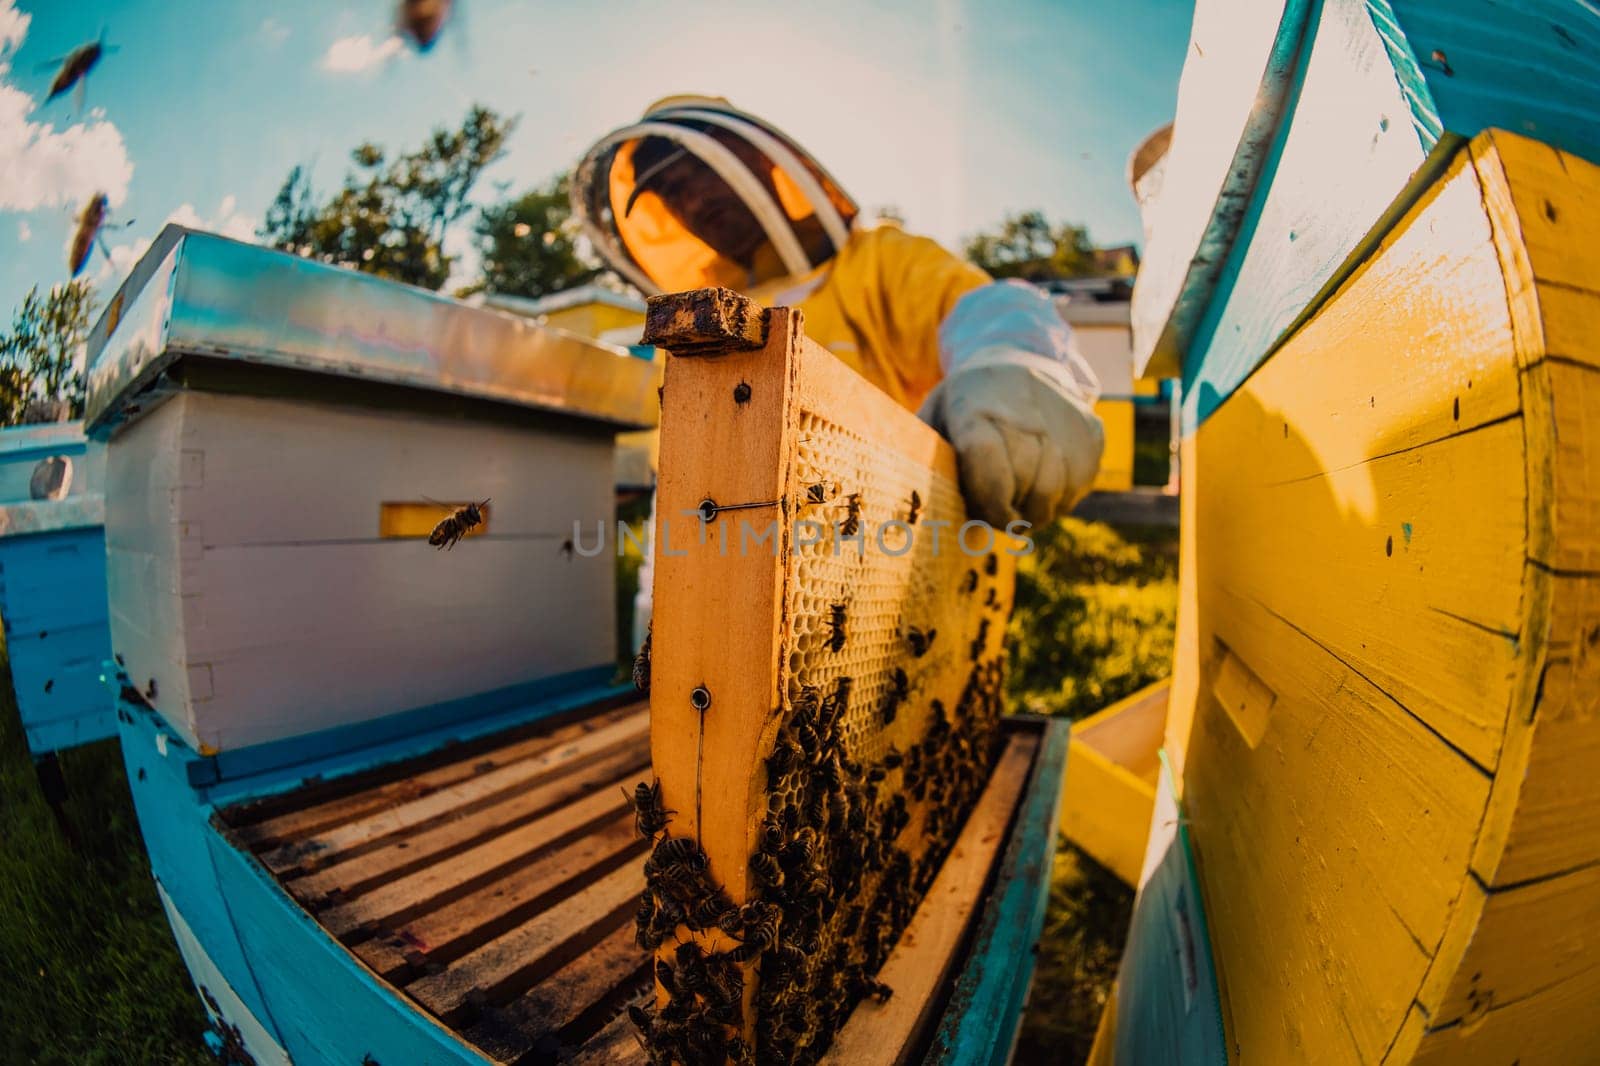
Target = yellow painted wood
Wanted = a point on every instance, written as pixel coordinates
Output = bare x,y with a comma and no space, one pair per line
1116,462
1386,702
1110,791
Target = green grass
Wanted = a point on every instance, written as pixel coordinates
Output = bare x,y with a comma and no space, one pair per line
89,969
90,974
1094,622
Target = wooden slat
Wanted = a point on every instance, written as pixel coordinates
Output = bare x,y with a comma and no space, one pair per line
615,1045
888,1033
410,853
434,886
354,801
615,964
453,799
441,935
535,949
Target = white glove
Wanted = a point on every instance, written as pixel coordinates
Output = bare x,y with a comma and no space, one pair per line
1026,436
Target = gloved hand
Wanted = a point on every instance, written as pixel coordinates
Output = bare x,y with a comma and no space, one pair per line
1025,433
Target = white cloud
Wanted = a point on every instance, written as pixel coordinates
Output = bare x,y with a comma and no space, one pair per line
274,32
24,231
351,55
41,166
228,221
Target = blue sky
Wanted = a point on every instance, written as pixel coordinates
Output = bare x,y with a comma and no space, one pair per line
955,112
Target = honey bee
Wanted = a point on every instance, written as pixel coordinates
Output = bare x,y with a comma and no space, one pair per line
641,662
817,493
892,758
991,565
766,870
457,525
920,641
989,599
87,234
648,815
916,508
899,687
969,582
878,990
75,68
421,21
980,639
852,522
836,620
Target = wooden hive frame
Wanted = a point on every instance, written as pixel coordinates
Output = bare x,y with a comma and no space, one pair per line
777,644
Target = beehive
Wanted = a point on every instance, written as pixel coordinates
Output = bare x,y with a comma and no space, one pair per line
1384,709
282,437
825,681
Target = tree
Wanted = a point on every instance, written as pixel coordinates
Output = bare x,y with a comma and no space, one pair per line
391,216
531,245
40,356
1027,246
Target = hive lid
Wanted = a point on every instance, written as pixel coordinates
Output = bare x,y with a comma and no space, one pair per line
197,294
24,517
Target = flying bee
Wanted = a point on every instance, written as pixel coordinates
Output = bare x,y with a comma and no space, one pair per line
421,21
648,816
75,67
836,620
852,522
91,220
916,508
457,525
920,641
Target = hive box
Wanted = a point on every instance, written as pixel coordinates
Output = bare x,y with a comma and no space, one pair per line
52,583
278,431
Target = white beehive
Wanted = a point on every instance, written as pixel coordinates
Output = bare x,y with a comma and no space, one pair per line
277,429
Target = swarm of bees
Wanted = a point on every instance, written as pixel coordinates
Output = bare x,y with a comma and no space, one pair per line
456,525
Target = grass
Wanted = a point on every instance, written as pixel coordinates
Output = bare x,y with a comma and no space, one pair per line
90,971
1094,622
91,975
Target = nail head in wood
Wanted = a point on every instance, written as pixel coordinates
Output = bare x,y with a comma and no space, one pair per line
705,322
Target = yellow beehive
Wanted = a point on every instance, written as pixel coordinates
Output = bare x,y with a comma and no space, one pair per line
1386,707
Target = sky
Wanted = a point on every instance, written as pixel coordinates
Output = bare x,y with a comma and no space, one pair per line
955,112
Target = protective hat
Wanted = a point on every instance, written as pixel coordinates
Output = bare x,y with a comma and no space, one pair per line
630,226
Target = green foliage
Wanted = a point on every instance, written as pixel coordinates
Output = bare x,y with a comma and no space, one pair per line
1029,247
1084,930
90,971
1095,615
39,357
531,245
391,216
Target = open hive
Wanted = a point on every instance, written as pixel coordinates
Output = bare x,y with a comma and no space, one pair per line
825,683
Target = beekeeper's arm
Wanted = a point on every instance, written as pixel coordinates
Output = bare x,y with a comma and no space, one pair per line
1017,403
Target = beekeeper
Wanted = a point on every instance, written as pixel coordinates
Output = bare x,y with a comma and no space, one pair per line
698,193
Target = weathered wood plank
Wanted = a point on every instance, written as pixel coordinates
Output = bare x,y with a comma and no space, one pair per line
434,886
514,961
441,935
888,1033
536,1018
355,801
459,798
408,853
617,1044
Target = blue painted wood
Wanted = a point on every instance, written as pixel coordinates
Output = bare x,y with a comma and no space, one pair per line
53,605
396,736
985,1008
1168,1007
1385,91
